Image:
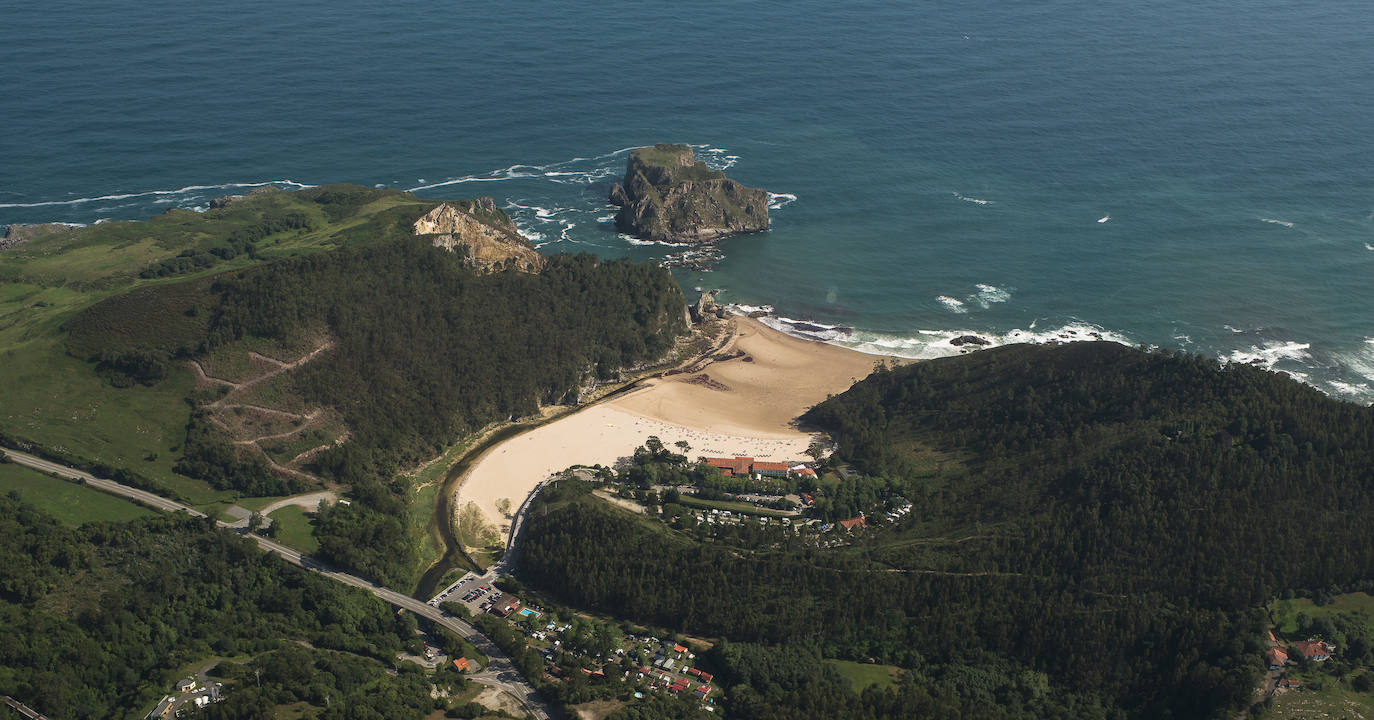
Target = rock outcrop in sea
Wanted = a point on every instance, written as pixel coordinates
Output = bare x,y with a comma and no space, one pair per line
669,196
488,234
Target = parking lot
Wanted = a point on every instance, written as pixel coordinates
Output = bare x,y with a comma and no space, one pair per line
472,590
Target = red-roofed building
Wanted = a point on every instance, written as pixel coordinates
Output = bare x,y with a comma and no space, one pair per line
1276,658
852,523
1314,650
804,472
508,605
703,691
732,467
706,677
462,664
679,649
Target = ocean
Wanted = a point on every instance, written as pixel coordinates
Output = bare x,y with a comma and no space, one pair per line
1191,175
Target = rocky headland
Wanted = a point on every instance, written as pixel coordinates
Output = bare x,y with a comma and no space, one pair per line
670,196
488,234
18,234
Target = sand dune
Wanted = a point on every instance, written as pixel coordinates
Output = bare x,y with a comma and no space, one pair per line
742,406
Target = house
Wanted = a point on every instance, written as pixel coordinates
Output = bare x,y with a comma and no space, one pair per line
702,691
679,649
854,522
803,471
462,664
1276,658
1314,650
186,684
706,677
506,606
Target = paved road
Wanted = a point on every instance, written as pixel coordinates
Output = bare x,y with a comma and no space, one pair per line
500,671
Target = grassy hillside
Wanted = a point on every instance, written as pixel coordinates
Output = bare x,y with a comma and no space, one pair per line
52,397
289,340
1104,545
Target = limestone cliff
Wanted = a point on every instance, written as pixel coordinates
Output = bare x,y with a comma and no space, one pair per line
669,196
487,233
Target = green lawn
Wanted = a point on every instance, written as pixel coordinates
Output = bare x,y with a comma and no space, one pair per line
863,675
294,528
735,507
1285,612
69,502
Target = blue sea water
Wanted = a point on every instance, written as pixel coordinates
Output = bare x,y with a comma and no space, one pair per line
939,168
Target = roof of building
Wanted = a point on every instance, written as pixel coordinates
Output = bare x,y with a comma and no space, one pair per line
738,465
854,522
806,472
760,466
1276,656
679,648
1311,648
462,664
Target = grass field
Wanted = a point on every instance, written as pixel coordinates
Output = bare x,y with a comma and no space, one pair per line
863,675
294,528
69,502
1335,700
1285,612
58,402
741,508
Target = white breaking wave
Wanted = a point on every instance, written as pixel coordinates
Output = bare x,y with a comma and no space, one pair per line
156,193
778,200
930,344
1369,247
1274,221
974,200
952,305
1267,355
989,294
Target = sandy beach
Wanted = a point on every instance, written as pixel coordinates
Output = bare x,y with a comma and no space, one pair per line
743,406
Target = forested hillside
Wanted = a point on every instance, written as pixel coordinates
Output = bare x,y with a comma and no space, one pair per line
415,350
98,620
1101,545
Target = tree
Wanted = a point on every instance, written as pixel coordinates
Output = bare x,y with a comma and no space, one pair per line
503,506
815,451
255,521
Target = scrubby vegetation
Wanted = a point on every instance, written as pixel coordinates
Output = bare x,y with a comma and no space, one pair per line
1103,548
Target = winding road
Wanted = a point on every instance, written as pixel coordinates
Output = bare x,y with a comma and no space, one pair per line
500,671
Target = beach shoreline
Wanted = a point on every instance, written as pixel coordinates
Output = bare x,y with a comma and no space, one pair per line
745,401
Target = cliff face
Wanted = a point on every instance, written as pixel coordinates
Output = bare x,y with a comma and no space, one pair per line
668,196
488,234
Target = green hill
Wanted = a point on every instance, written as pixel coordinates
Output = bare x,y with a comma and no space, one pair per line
334,347
1098,539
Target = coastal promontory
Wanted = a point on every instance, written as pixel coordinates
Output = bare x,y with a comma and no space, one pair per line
670,196
489,236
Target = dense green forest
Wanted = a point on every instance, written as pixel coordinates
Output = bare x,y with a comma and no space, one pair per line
426,350
98,619
1100,545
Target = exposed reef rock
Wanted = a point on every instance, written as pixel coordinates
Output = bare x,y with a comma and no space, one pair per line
18,234
706,308
669,196
485,231
969,340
